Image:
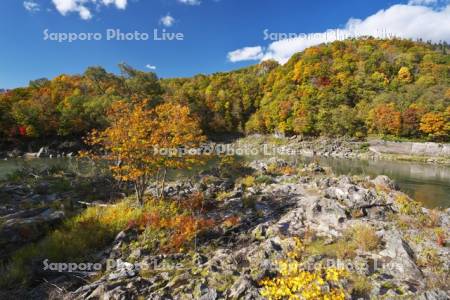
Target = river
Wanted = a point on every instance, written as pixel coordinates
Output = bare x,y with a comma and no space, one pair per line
427,183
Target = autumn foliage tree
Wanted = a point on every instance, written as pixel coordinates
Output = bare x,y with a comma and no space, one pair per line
411,120
404,75
135,131
435,124
338,88
447,120
174,128
385,119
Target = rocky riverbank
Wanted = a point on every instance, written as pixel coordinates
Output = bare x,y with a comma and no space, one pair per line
35,201
382,244
52,149
427,152
351,148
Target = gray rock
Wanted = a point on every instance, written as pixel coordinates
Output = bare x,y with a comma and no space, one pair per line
209,294
384,181
400,256
230,262
14,153
434,295
122,270
244,288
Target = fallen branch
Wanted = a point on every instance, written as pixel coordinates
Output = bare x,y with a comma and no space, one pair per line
96,204
61,290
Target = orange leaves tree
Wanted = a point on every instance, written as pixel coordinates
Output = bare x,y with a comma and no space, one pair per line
411,120
436,124
385,119
174,129
135,131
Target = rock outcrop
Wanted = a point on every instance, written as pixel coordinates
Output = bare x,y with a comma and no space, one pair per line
20,228
399,253
287,209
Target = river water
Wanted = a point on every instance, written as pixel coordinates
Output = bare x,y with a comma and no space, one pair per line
427,183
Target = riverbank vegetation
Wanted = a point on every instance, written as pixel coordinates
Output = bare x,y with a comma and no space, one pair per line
394,88
165,226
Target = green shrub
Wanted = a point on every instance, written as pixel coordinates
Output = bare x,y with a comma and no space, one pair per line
263,179
364,146
249,202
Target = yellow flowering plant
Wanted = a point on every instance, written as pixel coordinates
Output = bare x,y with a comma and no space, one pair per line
295,282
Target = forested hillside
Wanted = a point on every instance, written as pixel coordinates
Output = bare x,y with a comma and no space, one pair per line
354,88
358,87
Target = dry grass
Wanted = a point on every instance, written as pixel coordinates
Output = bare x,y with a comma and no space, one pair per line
360,286
434,218
361,237
364,237
75,241
340,249
81,237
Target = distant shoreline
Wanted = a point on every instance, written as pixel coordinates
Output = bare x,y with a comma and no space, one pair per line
425,152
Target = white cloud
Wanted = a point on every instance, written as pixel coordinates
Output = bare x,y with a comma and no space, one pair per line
85,13
31,6
247,53
167,20
82,7
403,20
65,6
422,2
190,2
120,4
151,67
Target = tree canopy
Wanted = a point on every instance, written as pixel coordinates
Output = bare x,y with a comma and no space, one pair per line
348,88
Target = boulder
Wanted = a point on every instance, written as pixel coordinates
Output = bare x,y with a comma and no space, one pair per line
399,257
386,182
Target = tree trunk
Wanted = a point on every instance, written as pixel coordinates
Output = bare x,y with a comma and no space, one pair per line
157,184
140,187
138,193
163,183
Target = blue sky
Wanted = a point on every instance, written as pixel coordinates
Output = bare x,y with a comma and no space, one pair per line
219,35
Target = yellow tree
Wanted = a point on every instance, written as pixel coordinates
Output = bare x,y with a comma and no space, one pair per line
435,124
135,132
404,75
447,119
177,132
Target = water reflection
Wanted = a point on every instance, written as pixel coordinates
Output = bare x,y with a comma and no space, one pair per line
427,183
